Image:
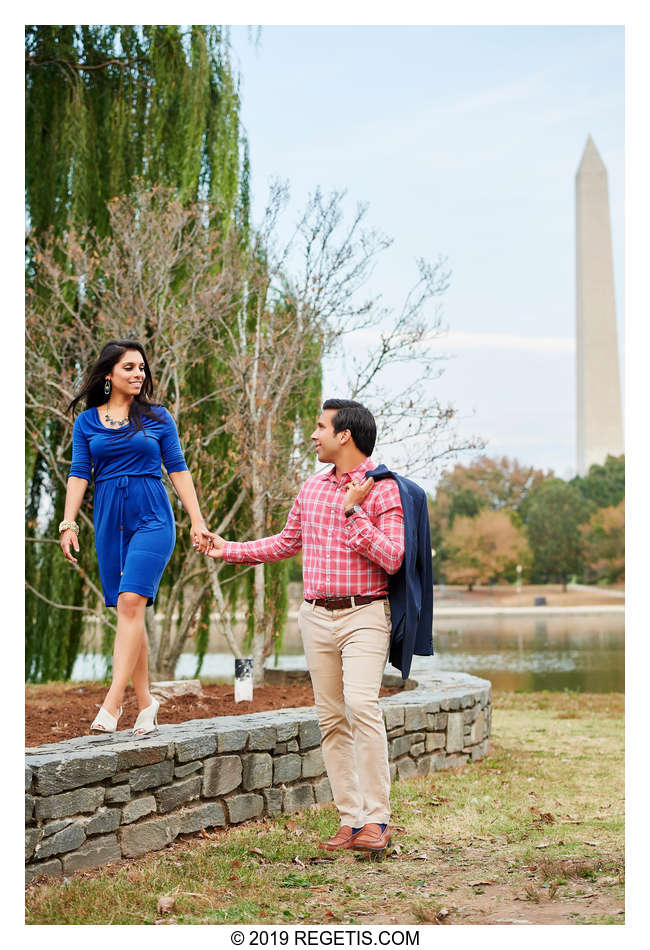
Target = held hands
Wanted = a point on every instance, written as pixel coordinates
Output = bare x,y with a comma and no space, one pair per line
215,545
69,539
357,493
199,543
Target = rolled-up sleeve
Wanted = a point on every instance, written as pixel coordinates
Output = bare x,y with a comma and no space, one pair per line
81,459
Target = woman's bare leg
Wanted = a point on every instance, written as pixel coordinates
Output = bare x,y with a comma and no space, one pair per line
128,648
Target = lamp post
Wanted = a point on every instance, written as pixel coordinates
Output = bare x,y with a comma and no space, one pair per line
518,588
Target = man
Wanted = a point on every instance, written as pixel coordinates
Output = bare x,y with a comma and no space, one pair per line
351,532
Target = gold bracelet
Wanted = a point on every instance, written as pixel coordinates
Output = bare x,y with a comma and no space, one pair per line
69,526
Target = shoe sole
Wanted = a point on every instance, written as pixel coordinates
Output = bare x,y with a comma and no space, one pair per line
370,850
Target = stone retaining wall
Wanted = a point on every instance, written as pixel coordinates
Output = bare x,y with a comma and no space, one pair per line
93,800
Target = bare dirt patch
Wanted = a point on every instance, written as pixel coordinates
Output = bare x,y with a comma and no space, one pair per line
58,711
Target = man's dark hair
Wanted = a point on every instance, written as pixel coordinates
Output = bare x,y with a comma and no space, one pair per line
355,417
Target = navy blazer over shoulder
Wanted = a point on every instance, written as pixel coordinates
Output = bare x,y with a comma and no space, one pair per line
410,590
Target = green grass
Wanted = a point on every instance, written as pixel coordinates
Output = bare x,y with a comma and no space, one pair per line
537,827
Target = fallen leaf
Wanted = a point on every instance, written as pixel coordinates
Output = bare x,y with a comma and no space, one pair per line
256,851
397,850
543,844
297,861
439,800
423,856
479,883
165,905
593,844
292,825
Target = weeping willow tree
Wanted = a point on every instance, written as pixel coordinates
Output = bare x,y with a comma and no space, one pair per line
106,106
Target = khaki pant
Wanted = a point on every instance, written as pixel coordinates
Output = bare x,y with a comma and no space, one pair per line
346,653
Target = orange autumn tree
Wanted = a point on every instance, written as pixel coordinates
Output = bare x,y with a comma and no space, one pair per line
603,538
485,547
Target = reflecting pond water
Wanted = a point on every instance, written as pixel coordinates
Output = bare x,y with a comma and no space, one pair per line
514,653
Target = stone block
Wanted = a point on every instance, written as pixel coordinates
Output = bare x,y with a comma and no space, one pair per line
150,835
28,778
323,791
260,738
257,770
309,734
479,728
414,718
293,745
394,733
437,721
221,774
93,854
205,815
69,803
416,749
467,700
66,840
272,800
437,762
479,751
243,807
119,778
455,732
286,768
469,715
455,761
44,869
104,821
393,716
73,771
280,748
434,740
406,768
425,765
51,827
138,808
297,797
233,740
135,755
120,793
29,808
181,771
313,763
195,748
455,703
399,746
32,837
173,796
286,731
150,776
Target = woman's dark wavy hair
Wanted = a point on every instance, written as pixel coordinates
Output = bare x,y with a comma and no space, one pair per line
92,389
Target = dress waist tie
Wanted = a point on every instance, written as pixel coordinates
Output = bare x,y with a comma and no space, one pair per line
122,485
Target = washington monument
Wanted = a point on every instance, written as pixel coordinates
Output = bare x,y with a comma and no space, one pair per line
600,425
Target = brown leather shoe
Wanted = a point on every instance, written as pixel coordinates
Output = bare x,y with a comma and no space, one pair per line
342,839
372,838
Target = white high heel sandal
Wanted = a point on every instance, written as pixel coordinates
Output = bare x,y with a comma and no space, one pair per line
105,721
147,720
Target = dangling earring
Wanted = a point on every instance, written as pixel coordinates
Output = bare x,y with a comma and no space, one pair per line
107,387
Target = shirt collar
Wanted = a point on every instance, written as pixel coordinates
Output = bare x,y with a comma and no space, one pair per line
364,466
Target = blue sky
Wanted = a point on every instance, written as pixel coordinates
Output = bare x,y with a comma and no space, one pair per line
465,142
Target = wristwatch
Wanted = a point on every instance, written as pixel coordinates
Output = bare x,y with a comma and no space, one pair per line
350,511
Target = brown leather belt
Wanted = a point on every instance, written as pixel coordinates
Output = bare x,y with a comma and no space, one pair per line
343,603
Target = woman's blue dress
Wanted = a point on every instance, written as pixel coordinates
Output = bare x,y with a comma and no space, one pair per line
134,522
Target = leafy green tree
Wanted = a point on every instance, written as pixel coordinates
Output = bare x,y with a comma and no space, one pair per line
604,485
555,512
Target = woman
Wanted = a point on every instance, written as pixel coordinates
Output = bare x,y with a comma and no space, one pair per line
124,437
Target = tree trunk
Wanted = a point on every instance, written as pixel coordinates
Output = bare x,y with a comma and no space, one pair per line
259,626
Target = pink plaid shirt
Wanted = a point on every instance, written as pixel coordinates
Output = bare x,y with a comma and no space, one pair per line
341,556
